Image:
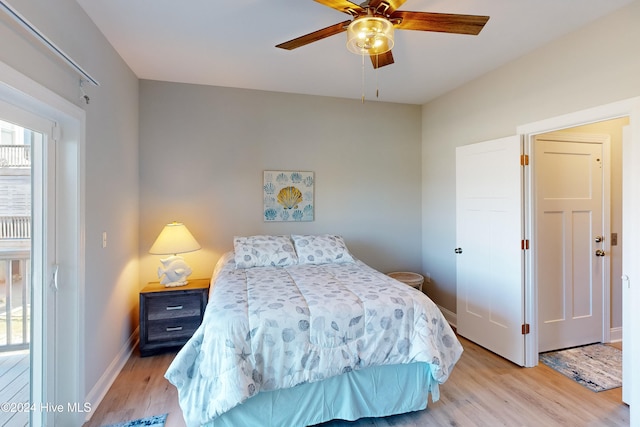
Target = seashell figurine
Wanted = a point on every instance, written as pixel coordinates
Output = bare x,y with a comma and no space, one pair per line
289,197
175,271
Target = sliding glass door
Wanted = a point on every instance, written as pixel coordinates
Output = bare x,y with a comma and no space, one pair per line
27,265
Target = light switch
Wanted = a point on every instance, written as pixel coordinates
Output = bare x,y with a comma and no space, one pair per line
104,239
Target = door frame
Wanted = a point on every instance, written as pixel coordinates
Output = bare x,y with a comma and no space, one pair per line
605,141
69,376
626,108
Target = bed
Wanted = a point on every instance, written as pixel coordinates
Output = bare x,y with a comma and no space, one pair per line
298,332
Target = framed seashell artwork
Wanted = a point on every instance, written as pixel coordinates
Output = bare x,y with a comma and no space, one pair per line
288,196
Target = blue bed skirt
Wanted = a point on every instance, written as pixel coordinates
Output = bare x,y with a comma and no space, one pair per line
373,392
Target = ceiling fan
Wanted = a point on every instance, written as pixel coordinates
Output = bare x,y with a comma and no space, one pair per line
370,31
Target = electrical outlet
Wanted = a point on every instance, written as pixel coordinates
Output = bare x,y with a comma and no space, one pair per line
427,277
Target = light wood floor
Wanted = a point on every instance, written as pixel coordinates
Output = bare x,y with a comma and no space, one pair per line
14,387
483,390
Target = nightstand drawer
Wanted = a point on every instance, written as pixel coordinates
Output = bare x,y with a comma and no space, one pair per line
171,307
173,329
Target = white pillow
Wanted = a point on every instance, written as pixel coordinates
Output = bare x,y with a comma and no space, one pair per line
263,251
321,249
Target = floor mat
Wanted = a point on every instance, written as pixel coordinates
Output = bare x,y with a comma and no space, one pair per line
155,421
596,366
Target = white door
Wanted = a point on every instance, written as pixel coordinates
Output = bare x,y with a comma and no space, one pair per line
571,238
489,238
629,263
36,133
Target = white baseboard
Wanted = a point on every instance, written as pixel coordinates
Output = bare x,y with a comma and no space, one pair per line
451,317
99,391
616,334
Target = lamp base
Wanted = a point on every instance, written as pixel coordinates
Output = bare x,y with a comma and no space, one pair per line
176,284
174,271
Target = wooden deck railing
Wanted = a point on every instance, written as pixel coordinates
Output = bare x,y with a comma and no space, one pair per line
15,297
15,227
15,156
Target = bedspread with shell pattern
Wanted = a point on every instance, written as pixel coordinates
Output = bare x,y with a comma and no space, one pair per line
267,328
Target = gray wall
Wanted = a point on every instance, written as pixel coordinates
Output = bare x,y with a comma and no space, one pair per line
203,151
110,294
596,65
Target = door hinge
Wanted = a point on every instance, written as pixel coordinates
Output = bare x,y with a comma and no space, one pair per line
525,244
524,159
525,328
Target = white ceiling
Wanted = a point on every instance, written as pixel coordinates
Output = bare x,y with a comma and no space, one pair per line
231,44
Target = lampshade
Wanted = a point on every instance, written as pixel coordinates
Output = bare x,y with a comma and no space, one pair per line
174,238
370,35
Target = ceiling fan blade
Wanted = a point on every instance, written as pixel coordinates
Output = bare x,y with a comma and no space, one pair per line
315,36
342,5
392,5
440,22
382,59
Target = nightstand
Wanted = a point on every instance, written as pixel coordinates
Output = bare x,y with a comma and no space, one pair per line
170,316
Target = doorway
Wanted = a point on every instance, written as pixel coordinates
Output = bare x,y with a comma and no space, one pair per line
522,309
598,314
571,174
627,110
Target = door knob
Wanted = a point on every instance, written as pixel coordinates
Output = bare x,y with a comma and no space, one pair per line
599,239
600,252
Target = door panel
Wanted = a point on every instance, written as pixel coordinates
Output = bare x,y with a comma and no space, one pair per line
42,160
490,304
569,197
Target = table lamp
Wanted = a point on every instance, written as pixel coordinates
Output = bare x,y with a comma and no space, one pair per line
174,239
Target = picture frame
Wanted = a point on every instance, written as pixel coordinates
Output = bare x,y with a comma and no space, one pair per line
288,196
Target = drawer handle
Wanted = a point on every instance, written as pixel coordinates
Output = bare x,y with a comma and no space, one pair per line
174,328
174,307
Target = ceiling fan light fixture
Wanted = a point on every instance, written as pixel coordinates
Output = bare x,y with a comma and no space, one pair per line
370,35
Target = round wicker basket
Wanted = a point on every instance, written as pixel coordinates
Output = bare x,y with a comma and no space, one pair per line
414,280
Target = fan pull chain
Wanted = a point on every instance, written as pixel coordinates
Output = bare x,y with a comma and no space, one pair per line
362,87
377,66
